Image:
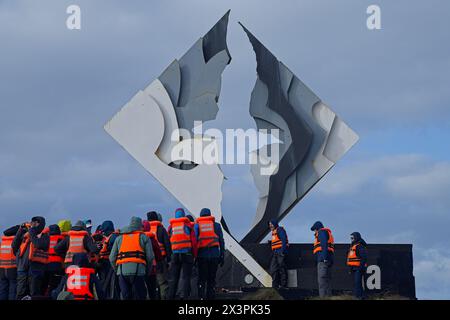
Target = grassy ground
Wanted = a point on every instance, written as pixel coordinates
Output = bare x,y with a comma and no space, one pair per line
272,294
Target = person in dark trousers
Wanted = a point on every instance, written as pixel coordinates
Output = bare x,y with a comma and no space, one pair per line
211,251
8,266
193,287
184,248
162,266
131,256
105,271
30,246
55,263
74,281
77,241
323,249
279,245
151,279
357,261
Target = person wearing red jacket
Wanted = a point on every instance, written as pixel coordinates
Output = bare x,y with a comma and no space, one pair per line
150,279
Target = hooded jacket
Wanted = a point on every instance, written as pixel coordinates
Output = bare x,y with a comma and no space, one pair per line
131,268
283,237
107,228
64,225
323,239
88,243
39,242
161,234
179,213
212,252
81,260
361,250
53,231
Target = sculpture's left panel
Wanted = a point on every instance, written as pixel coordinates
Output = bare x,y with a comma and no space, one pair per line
160,119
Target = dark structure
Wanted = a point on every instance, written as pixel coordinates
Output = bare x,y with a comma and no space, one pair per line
394,260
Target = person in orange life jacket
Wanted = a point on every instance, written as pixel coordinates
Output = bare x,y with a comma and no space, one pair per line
162,266
279,245
75,280
55,266
77,241
211,251
8,267
150,278
105,271
184,251
323,249
131,256
357,261
30,245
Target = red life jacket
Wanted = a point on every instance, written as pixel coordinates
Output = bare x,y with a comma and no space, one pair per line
52,256
105,251
78,280
179,239
76,244
154,228
207,236
317,247
7,257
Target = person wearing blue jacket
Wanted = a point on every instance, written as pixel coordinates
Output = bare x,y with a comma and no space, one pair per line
279,244
211,251
184,251
357,261
323,249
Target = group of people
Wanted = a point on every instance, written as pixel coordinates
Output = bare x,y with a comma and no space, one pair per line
143,260
323,250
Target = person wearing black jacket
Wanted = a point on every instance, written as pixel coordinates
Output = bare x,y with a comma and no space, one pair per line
8,270
55,266
30,246
357,261
162,266
88,243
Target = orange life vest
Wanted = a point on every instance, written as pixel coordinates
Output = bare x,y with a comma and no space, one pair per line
105,251
35,255
154,228
130,249
76,244
78,280
7,257
207,236
276,241
330,241
352,258
179,239
53,257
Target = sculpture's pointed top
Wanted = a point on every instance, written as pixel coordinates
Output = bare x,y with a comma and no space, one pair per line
215,40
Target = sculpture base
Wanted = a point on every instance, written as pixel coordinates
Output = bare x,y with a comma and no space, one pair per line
394,260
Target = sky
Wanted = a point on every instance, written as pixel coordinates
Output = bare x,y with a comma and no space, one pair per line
58,87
